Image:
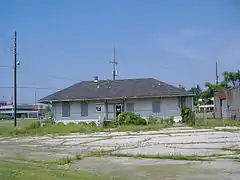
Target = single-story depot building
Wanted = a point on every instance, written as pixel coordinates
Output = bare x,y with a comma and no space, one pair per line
89,101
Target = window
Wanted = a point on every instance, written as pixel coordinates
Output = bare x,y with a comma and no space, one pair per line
84,109
65,109
156,106
99,107
130,107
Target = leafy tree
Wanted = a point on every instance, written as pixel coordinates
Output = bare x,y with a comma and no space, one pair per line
209,93
231,79
198,92
47,111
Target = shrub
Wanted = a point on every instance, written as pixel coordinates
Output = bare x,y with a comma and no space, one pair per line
157,120
153,120
83,123
34,125
109,124
4,117
92,124
172,120
60,124
127,118
188,116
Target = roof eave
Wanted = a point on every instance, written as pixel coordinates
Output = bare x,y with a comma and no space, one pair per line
115,98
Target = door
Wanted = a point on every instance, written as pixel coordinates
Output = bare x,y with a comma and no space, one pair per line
224,109
118,109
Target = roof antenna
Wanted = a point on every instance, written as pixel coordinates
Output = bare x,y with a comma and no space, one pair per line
115,63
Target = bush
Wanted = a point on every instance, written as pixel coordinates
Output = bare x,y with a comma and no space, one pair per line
188,116
4,117
109,124
153,120
92,124
157,120
34,125
60,124
129,118
83,123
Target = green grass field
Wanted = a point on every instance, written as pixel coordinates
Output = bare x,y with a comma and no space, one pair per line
21,123
10,170
216,122
24,128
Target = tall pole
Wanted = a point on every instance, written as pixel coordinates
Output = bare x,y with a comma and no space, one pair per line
217,74
15,77
114,62
35,98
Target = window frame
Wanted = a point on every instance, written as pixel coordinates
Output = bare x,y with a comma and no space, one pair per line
131,107
66,112
154,103
84,109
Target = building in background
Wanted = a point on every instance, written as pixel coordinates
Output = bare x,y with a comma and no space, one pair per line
3,103
227,104
23,111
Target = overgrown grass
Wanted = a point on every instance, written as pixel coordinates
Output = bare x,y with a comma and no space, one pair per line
33,128
173,157
27,171
69,160
138,128
235,150
216,123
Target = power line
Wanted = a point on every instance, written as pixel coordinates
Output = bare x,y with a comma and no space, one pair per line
3,66
29,87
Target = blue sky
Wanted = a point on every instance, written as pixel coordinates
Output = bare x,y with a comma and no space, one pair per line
61,42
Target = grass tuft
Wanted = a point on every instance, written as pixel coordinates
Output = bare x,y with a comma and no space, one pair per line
65,160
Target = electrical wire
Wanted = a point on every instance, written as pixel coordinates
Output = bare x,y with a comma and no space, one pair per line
29,87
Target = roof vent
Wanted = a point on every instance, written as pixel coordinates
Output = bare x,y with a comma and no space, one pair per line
95,79
108,84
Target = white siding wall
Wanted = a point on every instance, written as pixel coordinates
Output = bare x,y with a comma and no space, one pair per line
75,113
168,107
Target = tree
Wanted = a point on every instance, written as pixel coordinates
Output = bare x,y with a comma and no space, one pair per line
198,92
209,93
47,111
231,79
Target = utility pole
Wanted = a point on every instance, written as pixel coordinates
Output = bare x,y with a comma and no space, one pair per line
114,62
35,98
217,74
15,77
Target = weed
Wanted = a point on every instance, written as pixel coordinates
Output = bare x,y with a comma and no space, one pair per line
173,157
235,150
65,160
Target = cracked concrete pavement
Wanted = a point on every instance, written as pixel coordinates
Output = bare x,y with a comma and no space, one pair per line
172,141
